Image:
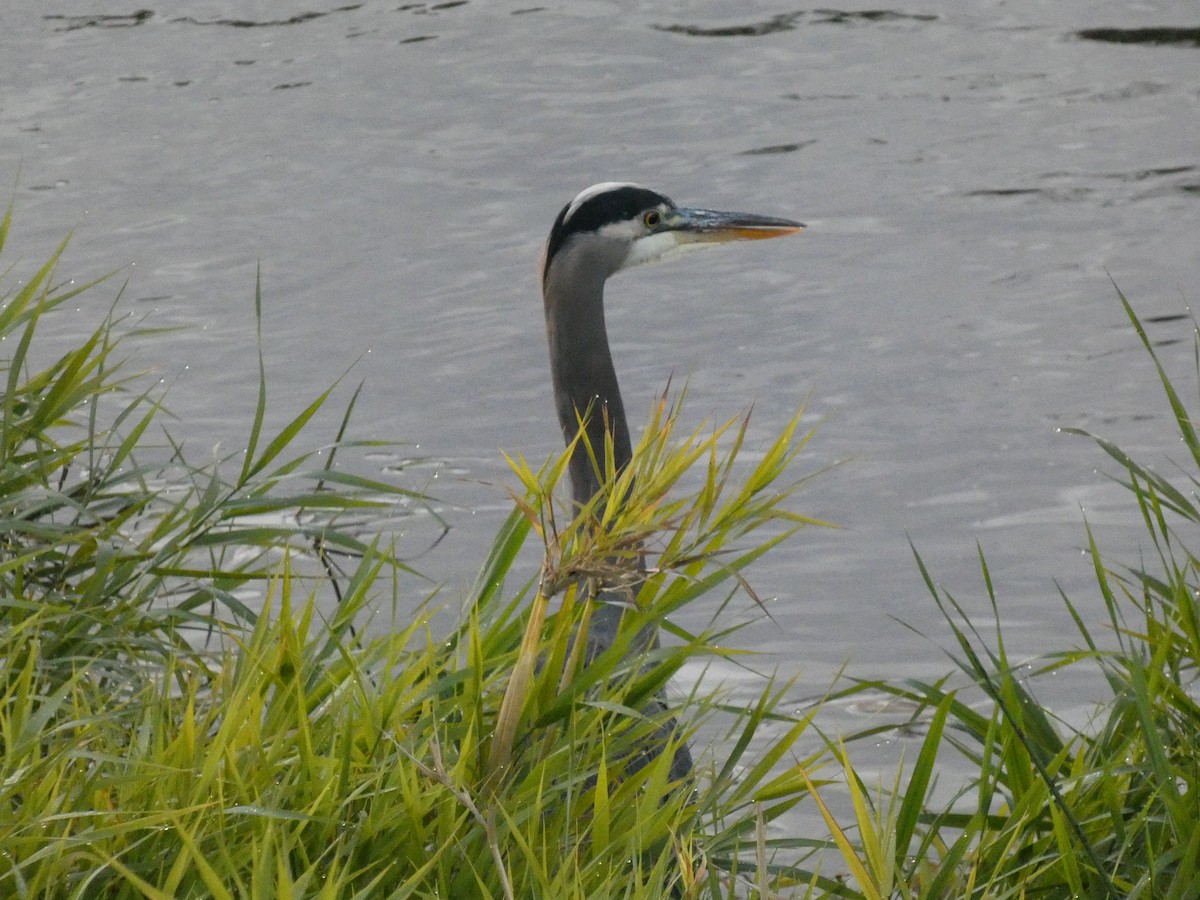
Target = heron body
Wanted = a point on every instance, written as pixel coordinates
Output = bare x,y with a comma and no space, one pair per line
608,228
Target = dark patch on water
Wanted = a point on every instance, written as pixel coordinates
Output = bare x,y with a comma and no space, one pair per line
1165,318
1160,174
1004,192
288,85
850,17
298,19
1140,175
782,22
427,9
777,148
1133,91
118,20
813,97
787,22
1056,195
1143,174
1155,37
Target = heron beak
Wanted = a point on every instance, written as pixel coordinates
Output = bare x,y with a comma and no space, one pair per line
712,226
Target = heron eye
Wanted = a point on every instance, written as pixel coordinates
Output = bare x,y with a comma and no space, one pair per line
652,218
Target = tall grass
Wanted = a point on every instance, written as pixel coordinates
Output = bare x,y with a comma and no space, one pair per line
1053,810
179,719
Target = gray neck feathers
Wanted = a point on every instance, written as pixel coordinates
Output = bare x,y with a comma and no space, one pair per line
585,383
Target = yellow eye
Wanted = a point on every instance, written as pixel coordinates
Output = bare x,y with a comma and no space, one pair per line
651,218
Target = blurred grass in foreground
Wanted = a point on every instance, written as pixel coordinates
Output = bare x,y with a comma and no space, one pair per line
161,736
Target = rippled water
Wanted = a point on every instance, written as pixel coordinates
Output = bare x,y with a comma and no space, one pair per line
972,174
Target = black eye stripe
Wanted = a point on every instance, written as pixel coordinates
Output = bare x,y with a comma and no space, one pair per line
613,206
617,205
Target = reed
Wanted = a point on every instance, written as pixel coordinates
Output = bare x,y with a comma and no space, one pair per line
1052,809
179,719
186,712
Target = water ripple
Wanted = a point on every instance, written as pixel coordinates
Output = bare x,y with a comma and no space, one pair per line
1155,37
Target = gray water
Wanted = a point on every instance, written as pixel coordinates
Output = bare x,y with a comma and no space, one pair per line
972,174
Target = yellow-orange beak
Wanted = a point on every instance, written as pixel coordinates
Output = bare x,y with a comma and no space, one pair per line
713,226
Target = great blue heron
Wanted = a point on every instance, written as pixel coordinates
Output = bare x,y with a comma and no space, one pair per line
607,228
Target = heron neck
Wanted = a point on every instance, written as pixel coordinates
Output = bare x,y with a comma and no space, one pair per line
585,383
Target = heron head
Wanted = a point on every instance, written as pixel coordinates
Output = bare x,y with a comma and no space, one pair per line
616,225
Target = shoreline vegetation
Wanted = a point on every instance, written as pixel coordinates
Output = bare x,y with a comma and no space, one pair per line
183,715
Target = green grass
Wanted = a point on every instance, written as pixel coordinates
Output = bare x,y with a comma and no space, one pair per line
164,736
1051,810
178,718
